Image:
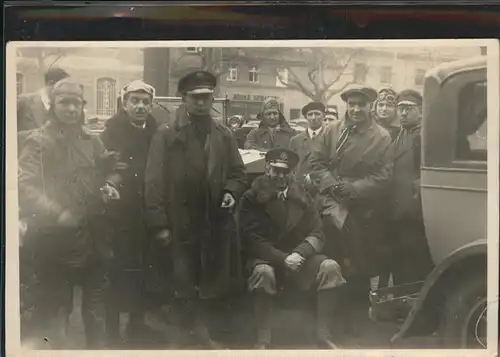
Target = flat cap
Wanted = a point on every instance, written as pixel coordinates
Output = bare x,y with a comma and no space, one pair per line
282,158
137,86
368,92
197,82
313,106
409,96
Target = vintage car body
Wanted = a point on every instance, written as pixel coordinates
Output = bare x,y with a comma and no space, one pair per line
454,202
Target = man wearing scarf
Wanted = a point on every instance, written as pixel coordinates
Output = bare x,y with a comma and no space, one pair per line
273,131
194,177
385,111
65,180
353,159
129,134
283,239
314,113
412,259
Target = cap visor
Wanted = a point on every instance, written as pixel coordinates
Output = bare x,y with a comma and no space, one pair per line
200,91
279,165
406,102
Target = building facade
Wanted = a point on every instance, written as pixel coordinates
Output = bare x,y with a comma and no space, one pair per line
246,76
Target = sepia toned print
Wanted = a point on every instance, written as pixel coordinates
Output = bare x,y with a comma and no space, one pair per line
318,196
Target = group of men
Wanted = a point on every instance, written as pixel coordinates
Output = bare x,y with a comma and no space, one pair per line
169,208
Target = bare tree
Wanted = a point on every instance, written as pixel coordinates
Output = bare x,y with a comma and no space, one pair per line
46,57
328,71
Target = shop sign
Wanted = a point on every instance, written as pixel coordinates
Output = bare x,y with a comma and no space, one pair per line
253,97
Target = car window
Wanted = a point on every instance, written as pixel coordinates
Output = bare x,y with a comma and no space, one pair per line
471,142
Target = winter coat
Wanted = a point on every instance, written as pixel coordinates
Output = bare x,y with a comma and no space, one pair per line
61,171
366,163
184,186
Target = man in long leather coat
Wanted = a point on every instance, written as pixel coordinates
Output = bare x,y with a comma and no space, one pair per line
283,239
65,179
129,134
354,160
194,177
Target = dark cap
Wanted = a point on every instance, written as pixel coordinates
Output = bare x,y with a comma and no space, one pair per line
369,93
197,82
409,96
313,106
55,74
283,158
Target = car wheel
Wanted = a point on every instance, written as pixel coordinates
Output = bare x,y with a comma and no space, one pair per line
464,316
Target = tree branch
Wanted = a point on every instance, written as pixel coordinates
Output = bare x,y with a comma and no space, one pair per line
341,72
333,92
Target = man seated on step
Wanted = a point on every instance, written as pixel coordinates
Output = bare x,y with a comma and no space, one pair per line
281,231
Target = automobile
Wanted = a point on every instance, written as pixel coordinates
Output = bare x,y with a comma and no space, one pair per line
451,303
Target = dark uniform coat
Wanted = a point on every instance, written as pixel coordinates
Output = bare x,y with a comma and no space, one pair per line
272,229
261,138
366,162
127,218
411,251
185,184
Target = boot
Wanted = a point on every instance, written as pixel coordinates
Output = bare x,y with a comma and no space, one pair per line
263,314
326,303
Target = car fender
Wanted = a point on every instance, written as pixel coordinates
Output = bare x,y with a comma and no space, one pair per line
416,316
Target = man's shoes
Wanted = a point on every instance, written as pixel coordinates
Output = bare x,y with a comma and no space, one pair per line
324,342
203,337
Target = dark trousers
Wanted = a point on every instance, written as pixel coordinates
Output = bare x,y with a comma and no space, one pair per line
55,302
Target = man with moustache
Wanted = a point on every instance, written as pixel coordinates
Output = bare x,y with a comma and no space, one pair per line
282,237
129,134
301,143
194,177
273,131
412,258
385,111
353,159
65,180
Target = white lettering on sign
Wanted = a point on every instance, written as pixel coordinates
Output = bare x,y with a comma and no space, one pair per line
253,97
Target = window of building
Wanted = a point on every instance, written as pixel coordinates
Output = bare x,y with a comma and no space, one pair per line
385,74
19,83
282,77
232,75
193,49
472,141
106,97
253,74
419,76
294,114
359,73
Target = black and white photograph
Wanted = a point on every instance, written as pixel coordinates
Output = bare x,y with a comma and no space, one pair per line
252,195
